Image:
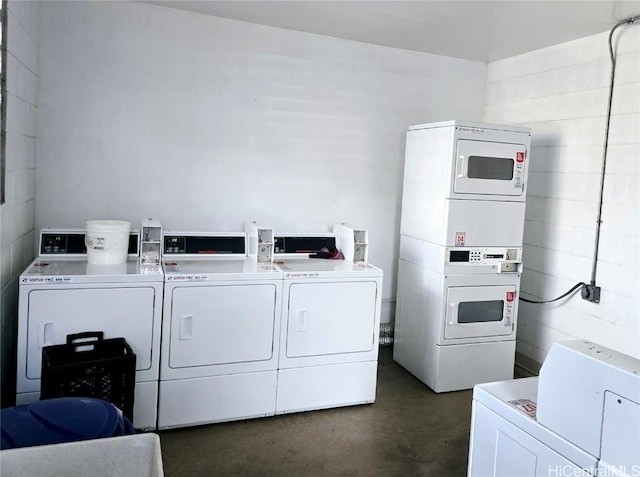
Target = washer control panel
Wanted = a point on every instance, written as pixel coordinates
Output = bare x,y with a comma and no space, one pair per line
198,244
70,242
501,258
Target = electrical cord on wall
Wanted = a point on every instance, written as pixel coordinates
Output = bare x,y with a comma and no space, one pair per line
571,291
590,291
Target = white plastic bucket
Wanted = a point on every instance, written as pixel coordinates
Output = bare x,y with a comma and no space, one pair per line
107,241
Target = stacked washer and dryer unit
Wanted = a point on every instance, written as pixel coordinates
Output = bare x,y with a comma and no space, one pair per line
460,264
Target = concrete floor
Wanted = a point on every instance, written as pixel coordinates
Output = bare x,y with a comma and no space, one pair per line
409,431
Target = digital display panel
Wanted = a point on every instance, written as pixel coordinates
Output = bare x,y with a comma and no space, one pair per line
459,256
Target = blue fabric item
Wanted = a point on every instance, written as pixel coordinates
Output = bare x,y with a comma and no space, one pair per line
54,421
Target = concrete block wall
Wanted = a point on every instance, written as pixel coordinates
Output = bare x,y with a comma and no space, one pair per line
17,213
561,92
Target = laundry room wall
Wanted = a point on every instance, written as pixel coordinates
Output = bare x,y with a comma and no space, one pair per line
206,123
561,92
17,212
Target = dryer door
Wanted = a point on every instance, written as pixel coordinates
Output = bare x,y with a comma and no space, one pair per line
222,324
126,312
480,311
326,318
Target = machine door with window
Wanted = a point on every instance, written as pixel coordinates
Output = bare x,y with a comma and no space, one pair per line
480,311
490,168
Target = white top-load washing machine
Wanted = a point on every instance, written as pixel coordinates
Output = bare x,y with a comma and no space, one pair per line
220,331
61,294
330,326
581,417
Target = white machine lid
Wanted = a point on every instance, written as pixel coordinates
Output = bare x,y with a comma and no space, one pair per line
49,270
470,124
511,400
229,269
326,268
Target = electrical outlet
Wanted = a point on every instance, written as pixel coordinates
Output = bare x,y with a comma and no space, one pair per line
591,293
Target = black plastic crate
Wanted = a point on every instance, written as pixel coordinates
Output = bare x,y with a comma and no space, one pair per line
90,366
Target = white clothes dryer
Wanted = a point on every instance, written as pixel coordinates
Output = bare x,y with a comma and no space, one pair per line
61,294
455,331
220,331
330,327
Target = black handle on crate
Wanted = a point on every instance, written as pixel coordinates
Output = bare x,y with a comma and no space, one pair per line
89,338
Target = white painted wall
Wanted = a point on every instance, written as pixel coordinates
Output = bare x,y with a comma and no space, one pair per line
206,123
561,92
17,213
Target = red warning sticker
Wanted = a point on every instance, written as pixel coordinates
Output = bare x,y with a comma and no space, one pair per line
460,239
520,157
511,296
525,405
